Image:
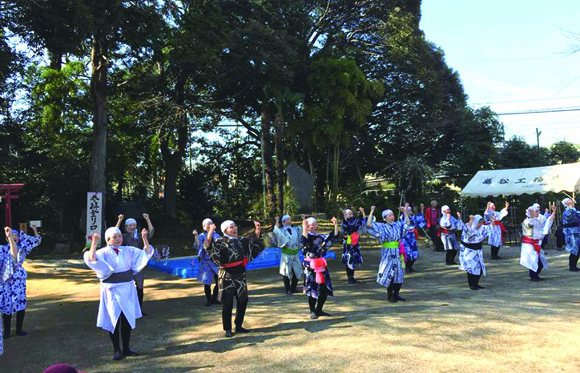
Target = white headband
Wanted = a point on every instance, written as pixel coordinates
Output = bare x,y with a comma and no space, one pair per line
310,221
226,224
130,221
566,201
206,222
387,212
111,232
445,208
286,217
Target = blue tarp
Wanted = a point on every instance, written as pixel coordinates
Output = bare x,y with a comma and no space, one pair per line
188,267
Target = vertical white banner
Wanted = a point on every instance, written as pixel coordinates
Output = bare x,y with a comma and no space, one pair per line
94,215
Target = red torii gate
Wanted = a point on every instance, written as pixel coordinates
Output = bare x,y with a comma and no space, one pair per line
8,195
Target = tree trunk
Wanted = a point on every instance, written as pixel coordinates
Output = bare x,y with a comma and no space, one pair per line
279,133
266,144
173,159
98,181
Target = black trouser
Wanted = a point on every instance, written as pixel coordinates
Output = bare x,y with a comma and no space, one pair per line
7,319
322,295
290,287
534,275
473,280
409,265
495,252
228,307
207,289
349,272
393,291
573,261
450,256
124,328
437,243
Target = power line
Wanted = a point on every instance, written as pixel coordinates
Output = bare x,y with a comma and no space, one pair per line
542,111
528,100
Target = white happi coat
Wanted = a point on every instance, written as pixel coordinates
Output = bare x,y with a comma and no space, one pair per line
535,228
495,237
452,224
471,261
118,297
289,263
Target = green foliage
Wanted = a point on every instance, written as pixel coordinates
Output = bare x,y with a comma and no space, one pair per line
564,152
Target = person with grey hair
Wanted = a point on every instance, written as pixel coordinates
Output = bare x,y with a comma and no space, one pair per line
115,265
571,229
208,271
231,253
133,238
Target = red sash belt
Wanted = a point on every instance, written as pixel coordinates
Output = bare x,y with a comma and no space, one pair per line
235,264
446,231
535,243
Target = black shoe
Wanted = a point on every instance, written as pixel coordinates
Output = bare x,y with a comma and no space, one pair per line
229,334
215,301
535,279
208,303
288,292
313,315
576,269
351,281
143,313
129,352
118,356
241,329
541,279
322,313
474,288
480,287
398,297
6,334
21,333
392,300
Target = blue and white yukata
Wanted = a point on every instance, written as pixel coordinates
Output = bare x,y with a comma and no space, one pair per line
494,239
6,272
532,255
571,228
118,294
351,255
410,239
449,225
315,246
13,292
471,251
391,268
208,270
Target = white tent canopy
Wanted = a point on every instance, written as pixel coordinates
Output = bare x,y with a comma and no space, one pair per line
524,181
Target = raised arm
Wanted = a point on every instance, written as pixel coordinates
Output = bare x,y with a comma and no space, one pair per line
119,220
304,227
150,227
93,249
277,220
362,211
370,219
403,209
35,230
145,237
209,236
335,222
10,239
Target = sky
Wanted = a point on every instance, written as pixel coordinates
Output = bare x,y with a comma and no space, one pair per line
514,56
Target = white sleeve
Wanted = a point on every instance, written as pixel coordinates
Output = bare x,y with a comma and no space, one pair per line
140,258
101,267
547,226
502,214
280,237
375,231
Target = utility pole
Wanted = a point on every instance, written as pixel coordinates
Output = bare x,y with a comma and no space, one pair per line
538,133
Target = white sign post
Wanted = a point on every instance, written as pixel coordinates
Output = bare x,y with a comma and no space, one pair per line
94,215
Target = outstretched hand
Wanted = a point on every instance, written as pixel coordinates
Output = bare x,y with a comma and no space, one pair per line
458,214
121,217
334,220
507,204
195,232
8,231
144,234
95,237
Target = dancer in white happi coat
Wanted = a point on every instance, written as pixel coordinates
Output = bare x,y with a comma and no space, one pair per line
392,265
8,255
288,239
534,228
449,226
495,240
571,229
471,253
115,266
